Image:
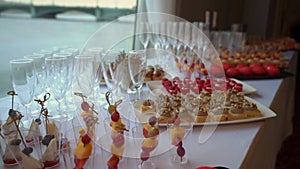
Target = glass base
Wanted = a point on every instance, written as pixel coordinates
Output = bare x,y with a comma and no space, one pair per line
147,165
180,160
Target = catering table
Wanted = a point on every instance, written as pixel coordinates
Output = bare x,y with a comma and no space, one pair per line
244,145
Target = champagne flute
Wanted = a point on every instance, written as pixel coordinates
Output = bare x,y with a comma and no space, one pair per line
68,100
23,80
85,75
137,63
39,67
143,34
57,74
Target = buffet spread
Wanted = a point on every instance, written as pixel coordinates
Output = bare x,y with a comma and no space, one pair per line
188,94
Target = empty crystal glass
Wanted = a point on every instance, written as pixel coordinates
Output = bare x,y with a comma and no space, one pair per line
23,80
137,63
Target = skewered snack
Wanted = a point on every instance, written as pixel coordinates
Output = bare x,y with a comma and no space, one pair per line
84,146
150,132
117,134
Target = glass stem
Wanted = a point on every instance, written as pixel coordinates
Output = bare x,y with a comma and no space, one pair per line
138,91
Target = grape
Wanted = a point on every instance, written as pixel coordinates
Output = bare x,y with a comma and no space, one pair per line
118,140
115,116
181,151
27,150
152,120
86,139
85,106
144,155
38,121
46,140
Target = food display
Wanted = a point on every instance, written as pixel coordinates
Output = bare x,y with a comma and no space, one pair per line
283,44
196,86
220,105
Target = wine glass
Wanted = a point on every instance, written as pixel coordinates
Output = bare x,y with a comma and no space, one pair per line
57,74
137,63
23,80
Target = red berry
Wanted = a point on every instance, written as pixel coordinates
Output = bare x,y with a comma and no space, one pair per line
86,139
232,72
113,162
152,120
85,106
181,151
118,140
144,155
115,116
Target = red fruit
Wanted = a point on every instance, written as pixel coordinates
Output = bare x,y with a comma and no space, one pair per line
208,89
258,70
145,155
273,70
172,90
175,79
232,72
85,106
205,167
152,121
180,151
238,87
226,66
79,163
254,65
184,90
166,83
118,140
197,89
239,66
115,116
265,65
217,70
113,161
246,71
86,139
145,133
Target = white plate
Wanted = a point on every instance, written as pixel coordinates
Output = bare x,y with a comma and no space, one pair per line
247,89
156,88
265,111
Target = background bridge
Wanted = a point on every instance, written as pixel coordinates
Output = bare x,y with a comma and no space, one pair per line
101,13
